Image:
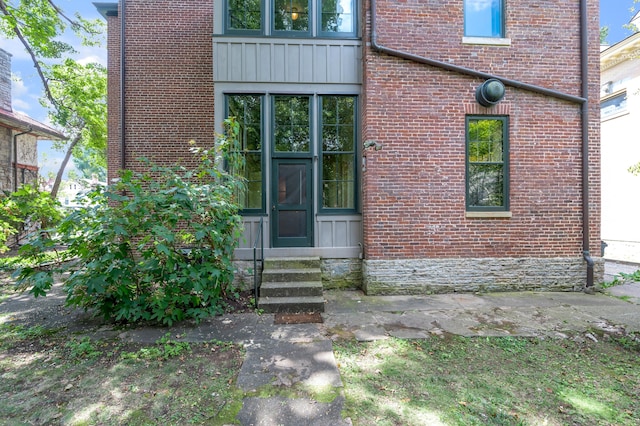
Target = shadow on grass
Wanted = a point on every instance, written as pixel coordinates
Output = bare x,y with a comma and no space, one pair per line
497,381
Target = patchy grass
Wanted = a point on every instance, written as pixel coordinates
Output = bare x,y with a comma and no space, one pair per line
491,381
48,378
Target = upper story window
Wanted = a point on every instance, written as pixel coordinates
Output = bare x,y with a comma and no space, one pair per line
613,105
296,18
484,18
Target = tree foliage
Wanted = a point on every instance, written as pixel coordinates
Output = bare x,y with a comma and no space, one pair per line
155,246
75,94
23,212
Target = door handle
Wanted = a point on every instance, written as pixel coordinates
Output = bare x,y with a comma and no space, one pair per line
273,208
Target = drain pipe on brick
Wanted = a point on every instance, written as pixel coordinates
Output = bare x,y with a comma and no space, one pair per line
580,100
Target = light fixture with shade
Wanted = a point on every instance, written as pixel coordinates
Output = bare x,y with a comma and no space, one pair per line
294,13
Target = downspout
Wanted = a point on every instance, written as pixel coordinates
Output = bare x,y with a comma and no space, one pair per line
581,100
15,157
123,156
584,65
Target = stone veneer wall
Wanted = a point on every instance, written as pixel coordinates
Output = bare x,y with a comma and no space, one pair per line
428,276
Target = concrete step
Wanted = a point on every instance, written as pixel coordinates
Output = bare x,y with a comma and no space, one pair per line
291,289
291,275
292,263
291,304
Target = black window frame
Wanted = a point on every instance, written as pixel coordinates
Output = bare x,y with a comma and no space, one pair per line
505,165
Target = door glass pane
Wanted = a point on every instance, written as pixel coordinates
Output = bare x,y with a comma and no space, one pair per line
291,123
292,184
292,223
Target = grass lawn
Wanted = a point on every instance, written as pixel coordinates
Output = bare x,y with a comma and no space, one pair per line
491,381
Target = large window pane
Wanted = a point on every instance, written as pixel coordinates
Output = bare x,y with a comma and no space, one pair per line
337,16
338,152
247,110
483,18
291,15
291,123
487,163
244,15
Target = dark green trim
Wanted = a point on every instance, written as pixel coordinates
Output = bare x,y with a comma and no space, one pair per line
292,33
505,163
328,210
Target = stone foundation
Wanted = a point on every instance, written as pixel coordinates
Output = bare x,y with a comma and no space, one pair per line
430,276
341,273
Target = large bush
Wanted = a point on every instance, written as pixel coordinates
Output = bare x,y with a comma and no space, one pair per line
155,246
24,212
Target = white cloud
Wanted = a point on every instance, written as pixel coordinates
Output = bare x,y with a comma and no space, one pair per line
478,5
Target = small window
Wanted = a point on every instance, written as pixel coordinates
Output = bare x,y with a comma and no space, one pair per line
291,16
337,17
247,110
613,105
484,18
244,16
487,163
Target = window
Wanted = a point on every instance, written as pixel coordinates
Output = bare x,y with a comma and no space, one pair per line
487,163
484,18
292,124
338,134
247,110
244,15
324,18
613,105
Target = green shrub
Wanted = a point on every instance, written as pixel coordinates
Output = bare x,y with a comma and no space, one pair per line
24,212
155,246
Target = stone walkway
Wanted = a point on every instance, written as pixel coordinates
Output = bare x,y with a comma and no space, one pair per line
296,357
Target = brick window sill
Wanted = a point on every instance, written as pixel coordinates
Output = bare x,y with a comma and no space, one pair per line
488,215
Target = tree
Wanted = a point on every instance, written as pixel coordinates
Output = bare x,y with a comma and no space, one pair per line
74,93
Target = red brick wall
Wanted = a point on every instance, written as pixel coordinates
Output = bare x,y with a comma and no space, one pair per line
414,187
169,81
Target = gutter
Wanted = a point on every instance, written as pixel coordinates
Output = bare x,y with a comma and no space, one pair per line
580,100
15,157
123,134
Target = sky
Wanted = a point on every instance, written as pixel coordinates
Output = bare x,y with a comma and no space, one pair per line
27,89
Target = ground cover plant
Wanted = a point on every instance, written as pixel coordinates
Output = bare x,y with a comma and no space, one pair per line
48,377
491,381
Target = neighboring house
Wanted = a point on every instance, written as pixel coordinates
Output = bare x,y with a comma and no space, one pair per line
19,135
72,192
620,113
366,141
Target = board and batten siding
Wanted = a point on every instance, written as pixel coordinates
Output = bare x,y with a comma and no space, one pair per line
276,60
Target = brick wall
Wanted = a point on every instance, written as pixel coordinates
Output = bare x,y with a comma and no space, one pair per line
414,186
169,81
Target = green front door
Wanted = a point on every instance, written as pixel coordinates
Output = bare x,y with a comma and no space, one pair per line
292,212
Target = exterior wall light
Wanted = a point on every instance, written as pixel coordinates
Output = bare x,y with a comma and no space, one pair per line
490,92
